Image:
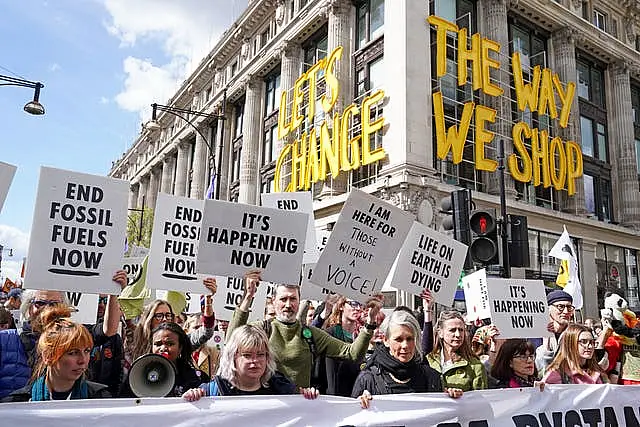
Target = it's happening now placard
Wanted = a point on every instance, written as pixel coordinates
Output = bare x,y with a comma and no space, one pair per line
237,237
78,232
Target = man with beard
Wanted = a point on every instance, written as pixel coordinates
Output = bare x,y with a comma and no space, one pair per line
560,315
296,347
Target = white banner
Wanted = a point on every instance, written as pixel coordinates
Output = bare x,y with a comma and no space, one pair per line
518,307
238,237
78,231
300,201
7,172
431,261
174,244
558,405
86,306
363,245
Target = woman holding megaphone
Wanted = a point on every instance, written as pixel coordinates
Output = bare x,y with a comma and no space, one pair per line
64,349
170,341
247,367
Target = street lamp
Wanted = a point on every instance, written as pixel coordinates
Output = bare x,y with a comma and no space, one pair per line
184,113
32,107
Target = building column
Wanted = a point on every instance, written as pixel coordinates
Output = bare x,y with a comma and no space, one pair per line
142,191
182,169
290,69
199,166
622,147
496,29
154,186
224,147
249,168
133,195
564,58
407,53
168,164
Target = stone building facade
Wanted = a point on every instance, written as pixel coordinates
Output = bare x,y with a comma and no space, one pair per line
389,45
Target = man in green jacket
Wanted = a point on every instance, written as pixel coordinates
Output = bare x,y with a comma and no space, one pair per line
292,343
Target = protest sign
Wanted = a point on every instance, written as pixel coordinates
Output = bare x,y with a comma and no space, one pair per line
174,244
7,172
193,302
518,307
133,267
431,261
363,245
297,202
85,306
476,296
558,405
308,290
229,295
138,251
238,237
79,224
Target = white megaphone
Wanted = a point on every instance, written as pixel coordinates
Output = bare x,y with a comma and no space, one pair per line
152,375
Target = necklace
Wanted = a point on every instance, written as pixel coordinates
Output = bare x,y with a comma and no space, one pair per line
399,381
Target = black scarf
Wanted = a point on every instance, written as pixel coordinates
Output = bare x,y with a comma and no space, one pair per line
389,364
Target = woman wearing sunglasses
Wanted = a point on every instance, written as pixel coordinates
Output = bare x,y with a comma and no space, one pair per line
575,362
341,324
514,366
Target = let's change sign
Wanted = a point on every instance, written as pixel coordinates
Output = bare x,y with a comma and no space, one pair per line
238,237
430,261
362,247
78,230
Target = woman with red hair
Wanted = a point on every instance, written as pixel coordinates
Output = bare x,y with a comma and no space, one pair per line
64,349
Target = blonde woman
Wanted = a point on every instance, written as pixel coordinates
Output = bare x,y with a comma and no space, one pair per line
575,362
247,367
452,356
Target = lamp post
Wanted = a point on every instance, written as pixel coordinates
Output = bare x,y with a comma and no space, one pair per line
184,113
32,107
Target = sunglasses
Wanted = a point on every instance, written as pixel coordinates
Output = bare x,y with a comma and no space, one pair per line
164,316
354,304
39,303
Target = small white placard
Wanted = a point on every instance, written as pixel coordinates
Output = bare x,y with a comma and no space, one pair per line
363,245
133,267
193,302
86,306
518,307
476,295
238,237
174,244
229,295
79,224
7,173
297,202
429,260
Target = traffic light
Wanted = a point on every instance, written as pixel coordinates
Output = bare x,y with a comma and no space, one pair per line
484,247
518,241
458,206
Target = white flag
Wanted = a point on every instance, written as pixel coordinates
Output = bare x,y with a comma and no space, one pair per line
563,249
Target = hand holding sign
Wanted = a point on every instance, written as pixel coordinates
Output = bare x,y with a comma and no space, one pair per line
374,305
121,278
211,284
251,282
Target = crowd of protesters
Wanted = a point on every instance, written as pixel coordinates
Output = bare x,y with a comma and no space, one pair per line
340,347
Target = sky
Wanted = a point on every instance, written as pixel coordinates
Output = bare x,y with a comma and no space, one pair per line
102,63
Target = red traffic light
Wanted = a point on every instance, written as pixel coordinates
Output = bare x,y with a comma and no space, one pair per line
482,222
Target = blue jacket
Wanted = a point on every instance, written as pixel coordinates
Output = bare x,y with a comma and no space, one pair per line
14,367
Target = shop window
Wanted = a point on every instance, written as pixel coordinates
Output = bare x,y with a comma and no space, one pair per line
617,272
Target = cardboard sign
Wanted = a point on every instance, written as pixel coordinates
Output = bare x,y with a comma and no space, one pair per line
193,303
309,290
476,296
133,267
297,202
430,260
229,295
362,247
238,237
7,172
85,305
174,244
79,224
518,307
